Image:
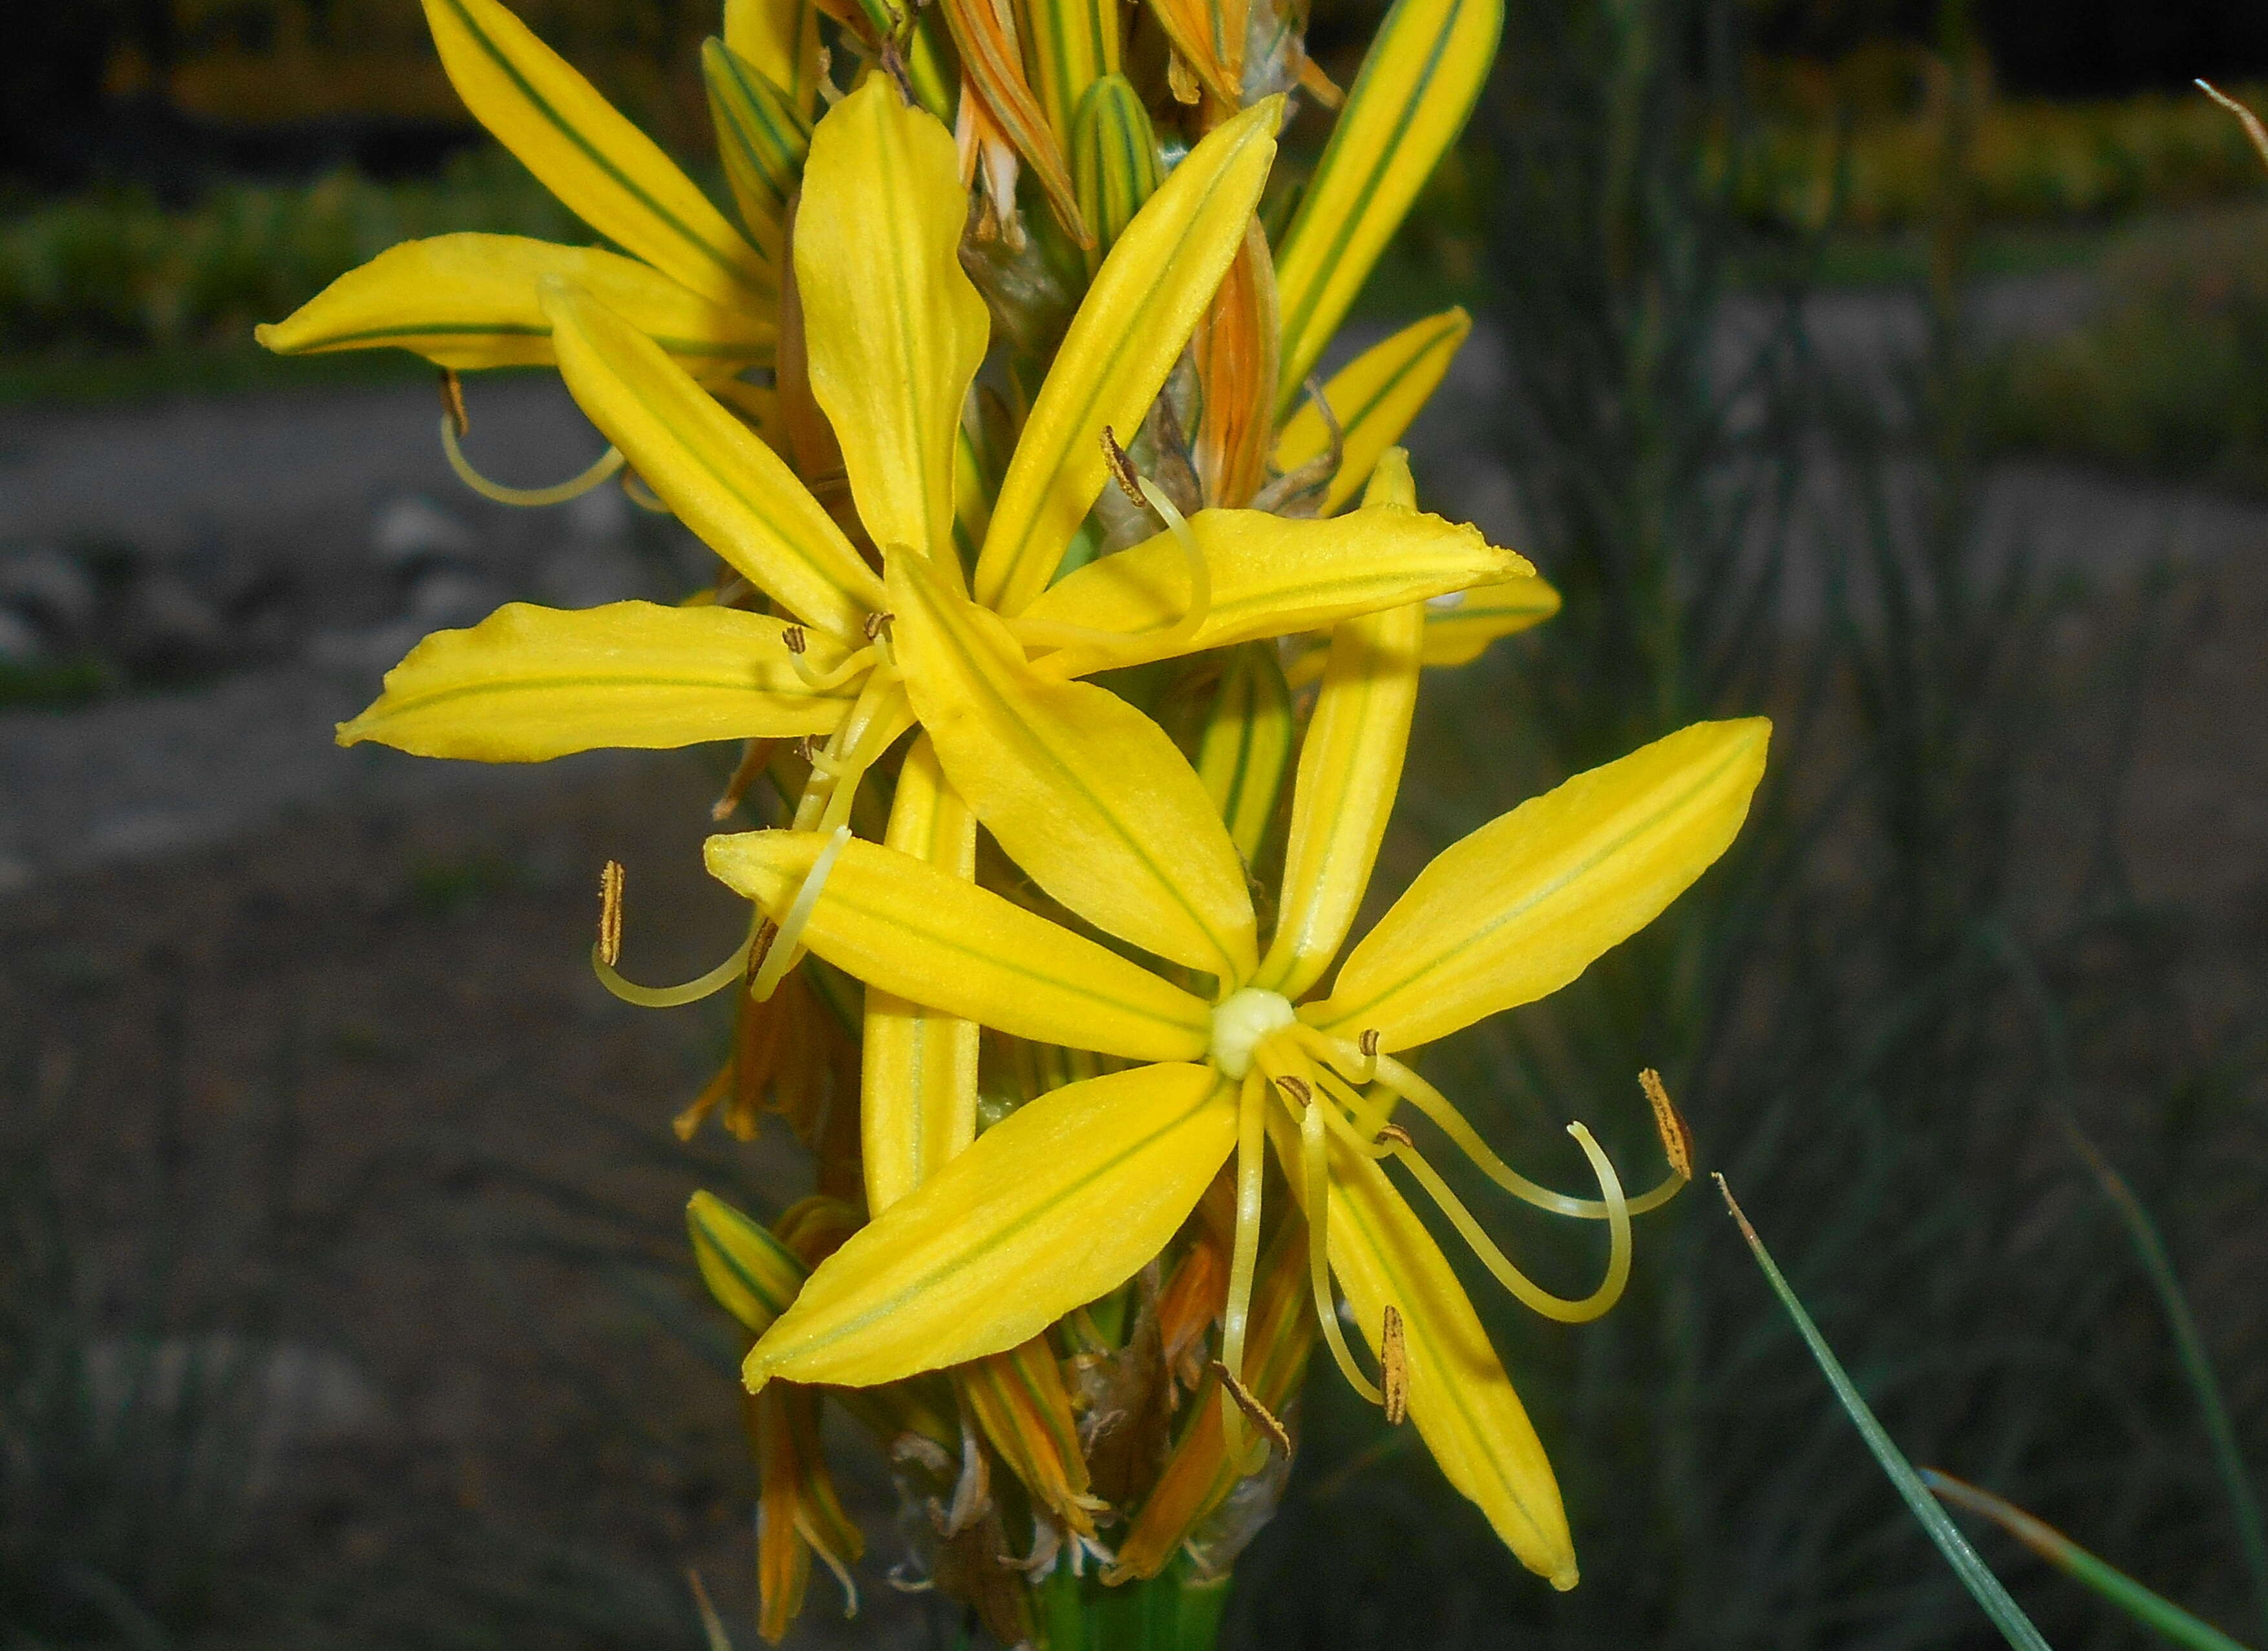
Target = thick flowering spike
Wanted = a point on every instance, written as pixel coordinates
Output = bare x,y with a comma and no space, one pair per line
894,331
1525,903
1060,1201
761,139
528,684
1128,334
612,175
1416,86
1372,399
471,301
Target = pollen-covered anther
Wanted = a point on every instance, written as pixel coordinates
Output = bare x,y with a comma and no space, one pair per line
453,402
1398,1135
610,912
1121,469
794,640
1394,1367
1240,1021
1677,1138
1295,1088
874,624
1262,1416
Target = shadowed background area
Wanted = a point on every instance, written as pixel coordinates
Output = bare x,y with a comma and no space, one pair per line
1899,369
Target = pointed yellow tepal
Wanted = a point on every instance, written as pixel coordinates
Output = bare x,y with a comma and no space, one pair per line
895,330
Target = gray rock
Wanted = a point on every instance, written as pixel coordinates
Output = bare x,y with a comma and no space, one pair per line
52,590
412,529
166,627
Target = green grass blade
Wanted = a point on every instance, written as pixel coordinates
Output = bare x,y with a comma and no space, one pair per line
2151,1610
2008,1616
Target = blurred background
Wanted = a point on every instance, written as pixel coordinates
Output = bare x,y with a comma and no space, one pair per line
1897,367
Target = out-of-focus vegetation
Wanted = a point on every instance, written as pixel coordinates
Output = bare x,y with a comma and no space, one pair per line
2170,374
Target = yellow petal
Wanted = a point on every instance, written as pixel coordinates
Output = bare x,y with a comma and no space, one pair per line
531,683
1128,334
780,40
471,301
1194,27
1417,83
710,468
1461,1399
761,139
894,329
1084,792
1522,905
919,932
610,175
917,1104
1350,770
1374,397
1459,626
1060,1201
752,1275
1114,158
1273,575
1247,745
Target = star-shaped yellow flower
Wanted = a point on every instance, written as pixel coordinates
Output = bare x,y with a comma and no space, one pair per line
1068,1196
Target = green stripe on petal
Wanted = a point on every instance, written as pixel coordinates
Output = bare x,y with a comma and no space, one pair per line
1071,44
1245,748
761,138
1416,86
1113,159
779,40
612,175
1060,1201
752,1275
528,684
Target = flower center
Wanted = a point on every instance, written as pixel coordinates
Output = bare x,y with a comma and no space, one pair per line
1242,1021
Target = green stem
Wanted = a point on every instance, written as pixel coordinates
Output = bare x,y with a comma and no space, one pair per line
1171,1612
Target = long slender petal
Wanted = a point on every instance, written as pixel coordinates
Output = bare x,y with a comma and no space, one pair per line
1070,45
1060,1201
1525,903
752,1275
921,933
761,138
1128,334
1271,575
1084,792
710,468
472,301
896,331
1247,745
1349,770
917,1104
528,683
1234,356
1463,1404
1416,86
1373,397
1114,158
608,172
1461,625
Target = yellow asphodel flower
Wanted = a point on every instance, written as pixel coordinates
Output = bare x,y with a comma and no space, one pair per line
894,334
1064,1199
691,280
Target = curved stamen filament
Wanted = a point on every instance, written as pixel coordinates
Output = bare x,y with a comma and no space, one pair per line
1531,1295
1399,1080
820,681
671,996
646,499
1244,1253
609,462
1315,1174
785,952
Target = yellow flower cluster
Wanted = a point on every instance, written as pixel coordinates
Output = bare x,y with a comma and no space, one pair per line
1001,380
